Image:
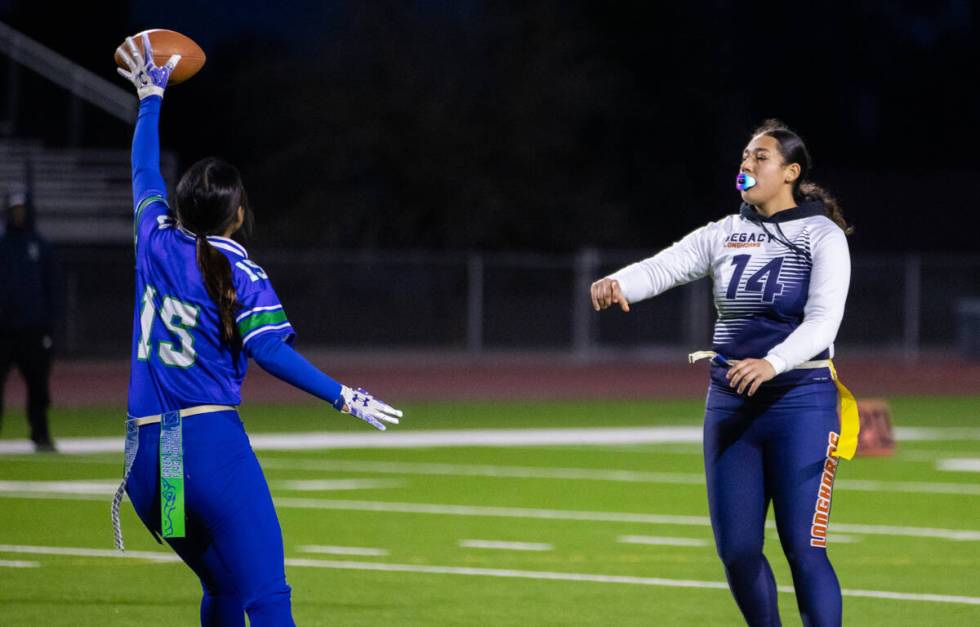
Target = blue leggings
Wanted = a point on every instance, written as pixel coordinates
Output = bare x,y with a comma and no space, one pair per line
233,540
774,447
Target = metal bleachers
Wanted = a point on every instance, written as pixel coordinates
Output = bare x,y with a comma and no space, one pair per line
82,196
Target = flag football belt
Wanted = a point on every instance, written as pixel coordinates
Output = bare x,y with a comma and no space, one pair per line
850,420
171,467
184,413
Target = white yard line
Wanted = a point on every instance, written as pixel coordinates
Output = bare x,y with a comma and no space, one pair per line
596,578
588,474
524,472
593,516
59,487
18,564
342,550
506,546
663,541
966,535
484,470
488,572
329,485
320,440
936,434
485,572
158,556
959,464
909,487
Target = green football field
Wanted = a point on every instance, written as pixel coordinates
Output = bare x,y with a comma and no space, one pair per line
451,531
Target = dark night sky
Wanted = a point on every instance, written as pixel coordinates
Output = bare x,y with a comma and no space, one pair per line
550,126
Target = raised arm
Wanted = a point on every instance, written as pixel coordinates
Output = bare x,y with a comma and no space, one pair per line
148,182
150,82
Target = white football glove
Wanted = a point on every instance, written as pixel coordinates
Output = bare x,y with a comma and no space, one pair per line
149,79
361,404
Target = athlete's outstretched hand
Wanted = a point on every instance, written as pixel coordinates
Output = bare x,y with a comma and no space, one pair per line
149,79
606,292
360,404
749,374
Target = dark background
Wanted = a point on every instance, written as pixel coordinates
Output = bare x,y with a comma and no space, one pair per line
547,126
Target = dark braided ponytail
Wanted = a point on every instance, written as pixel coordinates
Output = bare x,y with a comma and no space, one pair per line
208,197
793,150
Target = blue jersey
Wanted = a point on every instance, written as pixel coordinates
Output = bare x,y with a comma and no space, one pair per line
178,357
780,284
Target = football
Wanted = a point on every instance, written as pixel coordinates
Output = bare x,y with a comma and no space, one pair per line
166,43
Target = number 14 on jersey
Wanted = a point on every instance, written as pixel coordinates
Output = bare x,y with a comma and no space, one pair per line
765,280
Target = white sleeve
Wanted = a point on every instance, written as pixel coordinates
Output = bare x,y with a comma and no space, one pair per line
829,280
681,263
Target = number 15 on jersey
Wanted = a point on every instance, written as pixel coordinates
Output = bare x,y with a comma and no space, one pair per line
179,318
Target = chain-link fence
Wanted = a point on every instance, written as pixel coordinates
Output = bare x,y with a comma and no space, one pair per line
481,302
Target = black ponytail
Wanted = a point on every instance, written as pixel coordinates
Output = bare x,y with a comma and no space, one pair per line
208,197
793,150
216,272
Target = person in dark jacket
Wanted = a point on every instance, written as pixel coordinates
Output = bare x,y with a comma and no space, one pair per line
28,309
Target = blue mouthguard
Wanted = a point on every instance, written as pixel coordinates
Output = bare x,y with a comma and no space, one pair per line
744,182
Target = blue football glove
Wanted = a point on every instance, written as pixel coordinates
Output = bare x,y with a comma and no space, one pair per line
149,79
360,404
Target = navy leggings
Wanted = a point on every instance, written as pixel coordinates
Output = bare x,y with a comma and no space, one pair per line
774,447
233,540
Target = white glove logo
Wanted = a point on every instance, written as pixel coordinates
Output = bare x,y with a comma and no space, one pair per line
360,404
149,79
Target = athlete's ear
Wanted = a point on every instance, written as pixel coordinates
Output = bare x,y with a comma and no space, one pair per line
792,173
241,216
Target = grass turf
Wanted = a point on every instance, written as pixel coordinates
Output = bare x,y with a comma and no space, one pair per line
73,590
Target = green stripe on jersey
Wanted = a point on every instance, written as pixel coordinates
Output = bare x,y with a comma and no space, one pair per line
260,319
143,205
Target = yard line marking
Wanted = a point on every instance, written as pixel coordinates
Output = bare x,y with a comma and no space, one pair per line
481,572
18,564
92,458
917,487
662,540
588,474
485,470
593,516
489,511
315,485
67,445
949,434
320,440
909,596
51,496
585,474
158,556
970,535
959,464
59,487
505,546
596,578
342,550
914,532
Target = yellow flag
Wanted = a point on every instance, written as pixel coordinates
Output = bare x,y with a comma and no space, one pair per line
850,420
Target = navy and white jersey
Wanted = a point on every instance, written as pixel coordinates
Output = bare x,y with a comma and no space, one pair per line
780,285
178,357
